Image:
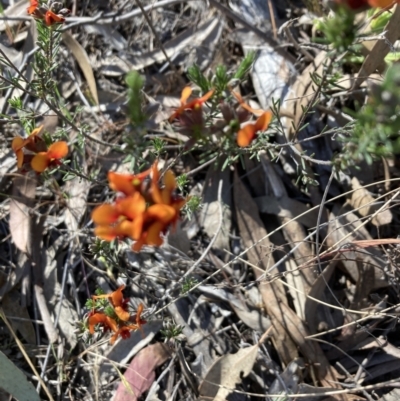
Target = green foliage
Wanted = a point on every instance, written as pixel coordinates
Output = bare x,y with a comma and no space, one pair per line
245,65
188,284
171,331
339,31
135,83
159,146
192,205
181,182
197,77
377,127
221,79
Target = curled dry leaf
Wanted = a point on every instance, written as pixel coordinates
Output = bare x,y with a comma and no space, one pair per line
140,375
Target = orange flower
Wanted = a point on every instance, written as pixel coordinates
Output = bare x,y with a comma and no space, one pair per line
19,143
126,183
117,300
143,213
195,104
246,134
137,317
52,18
32,8
42,160
44,157
101,318
124,332
242,103
163,212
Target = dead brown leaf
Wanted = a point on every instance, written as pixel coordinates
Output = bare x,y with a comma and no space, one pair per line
226,372
363,202
290,330
252,230
140,375
83,60
22,200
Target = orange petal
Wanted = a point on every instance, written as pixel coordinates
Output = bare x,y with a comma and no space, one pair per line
106,233
121,313
117,296
240,100
34,5
163,213
204,98
52,18
105,214
104,319
169,180
111,323
263,121
153,236
137,227
20,158
121,182
57,150
186,92
36,131
246,135
137,317
137,246
123,228
131,206
40,162
17,143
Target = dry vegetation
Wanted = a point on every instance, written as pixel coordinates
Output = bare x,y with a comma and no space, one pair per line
283,284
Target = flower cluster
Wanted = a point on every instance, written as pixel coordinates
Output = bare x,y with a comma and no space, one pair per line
236,119
143,210
51,13
39,156
114,315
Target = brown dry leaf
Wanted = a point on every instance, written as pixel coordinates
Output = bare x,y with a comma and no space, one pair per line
84,63
252,230
380,49
301,92
289,331
362,201
23,197
226,372
140,375
345,224
210,214
77,190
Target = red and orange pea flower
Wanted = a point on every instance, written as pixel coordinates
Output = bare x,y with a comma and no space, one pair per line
248,132
41,157
120,326
195,104
143,212
51,14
